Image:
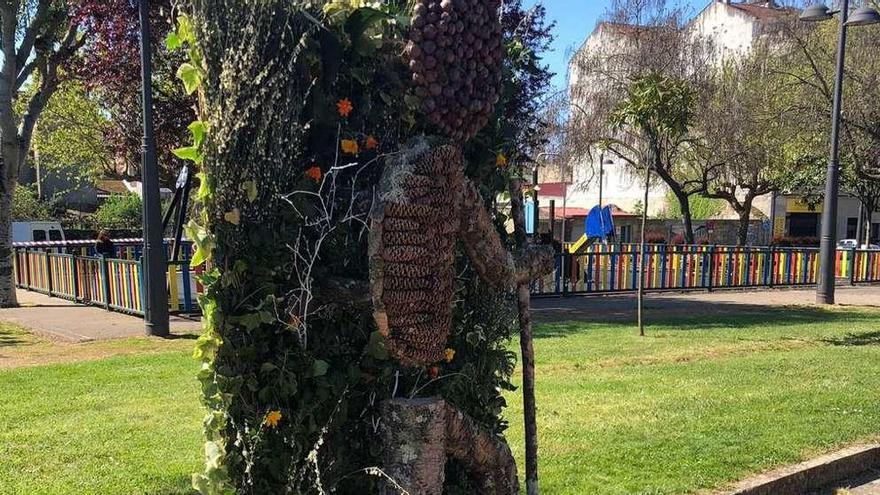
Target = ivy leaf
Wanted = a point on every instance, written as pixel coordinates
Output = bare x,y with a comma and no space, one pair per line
198,130
376,348
191,77
172,41
203,240
250,188
204,191
190,153
319,368
185,30
359,22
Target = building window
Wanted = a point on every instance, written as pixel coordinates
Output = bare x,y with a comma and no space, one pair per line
39,235
803,224
852,227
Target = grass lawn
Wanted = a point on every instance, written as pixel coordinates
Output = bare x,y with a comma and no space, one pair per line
700,402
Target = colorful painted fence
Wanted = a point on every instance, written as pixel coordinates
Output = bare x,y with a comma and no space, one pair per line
114,284
606,269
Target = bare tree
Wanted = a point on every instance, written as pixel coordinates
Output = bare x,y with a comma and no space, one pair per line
805,65
638,38
741,151
37,37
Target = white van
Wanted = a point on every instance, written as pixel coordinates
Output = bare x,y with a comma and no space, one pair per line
37,231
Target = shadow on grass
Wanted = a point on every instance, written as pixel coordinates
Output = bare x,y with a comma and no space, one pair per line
701,316
855,339
180,486
181,336
10,339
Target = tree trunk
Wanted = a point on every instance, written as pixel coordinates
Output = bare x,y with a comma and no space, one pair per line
745,215
685,204
526,345
7,285
419,435
9,165
642,256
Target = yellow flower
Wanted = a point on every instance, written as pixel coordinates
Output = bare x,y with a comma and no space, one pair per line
449,354
350,146
500,160
344,107
371,143
273,418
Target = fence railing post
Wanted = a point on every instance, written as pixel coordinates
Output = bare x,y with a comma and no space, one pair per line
852,267
711,271
74,267
27,269
771,282
48,273
566,275
105,275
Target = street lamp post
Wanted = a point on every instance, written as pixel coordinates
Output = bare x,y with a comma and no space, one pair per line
153,259
828,244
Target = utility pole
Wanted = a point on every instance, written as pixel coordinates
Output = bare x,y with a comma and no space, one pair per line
153,259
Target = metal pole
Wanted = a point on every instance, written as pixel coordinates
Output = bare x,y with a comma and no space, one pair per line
828,243
601,176
536,215
153,260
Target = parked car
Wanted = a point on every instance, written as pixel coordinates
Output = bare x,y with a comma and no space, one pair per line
37,231
854,244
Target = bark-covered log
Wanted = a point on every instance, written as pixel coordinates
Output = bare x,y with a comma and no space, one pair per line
419,435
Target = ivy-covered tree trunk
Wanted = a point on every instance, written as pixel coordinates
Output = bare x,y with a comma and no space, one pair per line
308,113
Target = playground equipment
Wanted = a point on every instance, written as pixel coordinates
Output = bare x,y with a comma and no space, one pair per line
598,227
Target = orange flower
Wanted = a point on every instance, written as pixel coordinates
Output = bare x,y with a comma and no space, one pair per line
314,173
350,146
500,160
344,107
273,418
371,143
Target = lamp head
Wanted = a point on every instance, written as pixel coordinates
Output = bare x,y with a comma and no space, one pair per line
863,16
816,13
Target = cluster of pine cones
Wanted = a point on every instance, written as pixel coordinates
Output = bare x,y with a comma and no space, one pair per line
455,52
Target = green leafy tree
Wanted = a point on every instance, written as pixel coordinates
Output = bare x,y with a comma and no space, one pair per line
807,70
701,207
36,37
123,210
27,206
656,117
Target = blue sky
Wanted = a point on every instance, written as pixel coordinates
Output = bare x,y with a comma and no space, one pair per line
575,19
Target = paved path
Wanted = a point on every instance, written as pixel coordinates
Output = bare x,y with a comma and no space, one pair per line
623,306
58,319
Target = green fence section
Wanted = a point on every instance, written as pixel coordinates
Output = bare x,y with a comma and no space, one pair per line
615,268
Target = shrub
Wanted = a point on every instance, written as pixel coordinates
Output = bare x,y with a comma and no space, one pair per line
655,238
790,241
125,210
27,206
